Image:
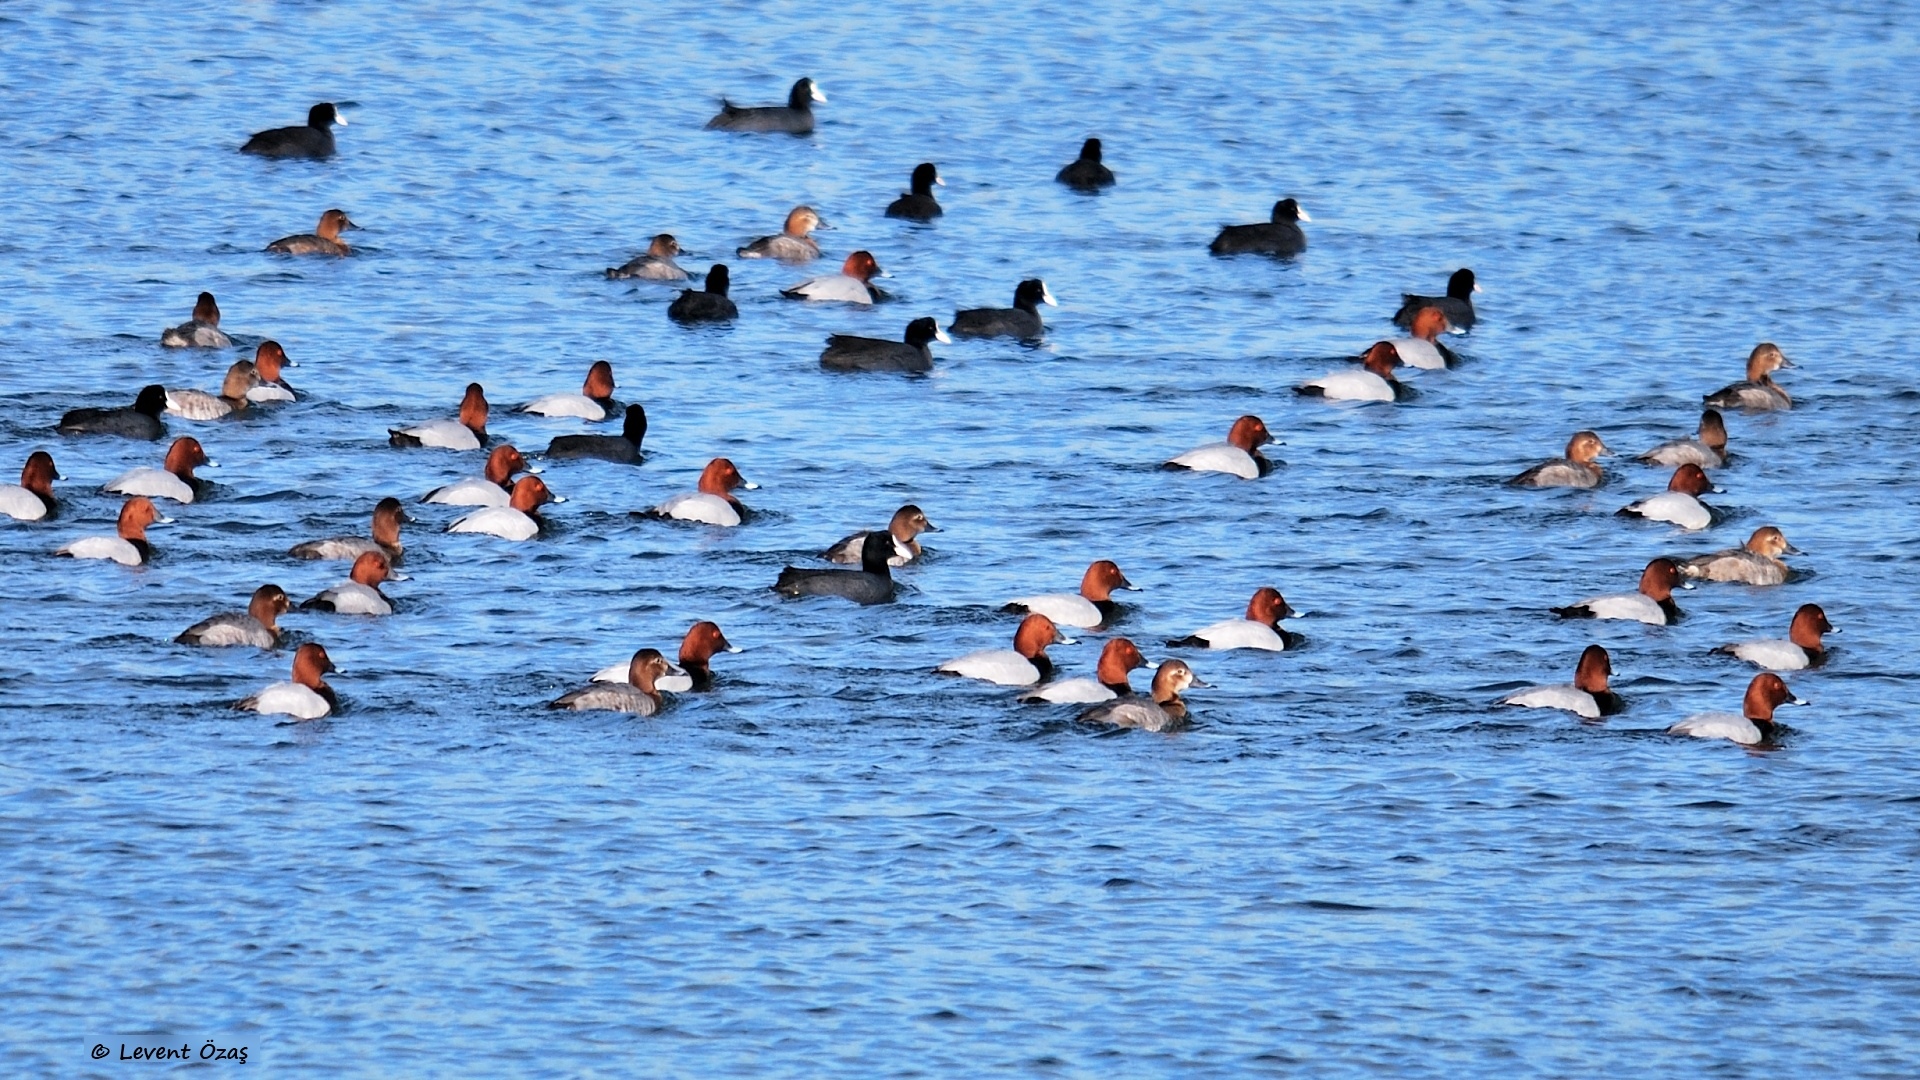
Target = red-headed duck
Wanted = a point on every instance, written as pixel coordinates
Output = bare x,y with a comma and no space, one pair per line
709,304
791,244
241,379
656,265
360,594
871,584
1261,628
200,332
492,489
1755,563
1576,470
911,354
32,498
140,420
853,284
129,547
639,695
518,520
793,118
1753,724
1652,604
1457,305
1239,456
388,516
714,503
257,626
1680,503
1022,320
1708,449
176,481
1588,696
1092,605
1161,711
905,528
307,697
268,359
1023,665
1085,173
919,203
593,402
1279,235
1373,381
1759,393
697,650
1423,350
1117,658
467,433
623,448
323,240
1802,649
315,140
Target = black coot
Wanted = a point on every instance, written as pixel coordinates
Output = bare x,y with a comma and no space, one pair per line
1280,236
140,420
1087,174
794,118
844,352
1022,320
315,140
1457,305
919,204
709,306
623,448
871,584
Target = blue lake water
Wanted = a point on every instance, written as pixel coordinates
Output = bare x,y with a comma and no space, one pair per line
839,863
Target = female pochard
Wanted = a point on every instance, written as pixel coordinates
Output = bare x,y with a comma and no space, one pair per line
1091,606
387,518
1119,657
1161,711
853,284
639,695
713,503
793,118
1755,563
176,481
240,382
1753,724
1086,173
1708,449
140,420
1803,648
360,594
1759,393
268,359
1239,455
1280,235
593,402
323,240
518,520
697,650
656,265
492,489
1653,604
1023,665
32,498
919,204
314,140
1457,305
846,352
1576,470
905,528
1374,380
202,331
791,244
709,304
1680,503
257,626
1423,349
1022,320
307,697
871,584
1588,696
129,547
623,448
467,433
1261,628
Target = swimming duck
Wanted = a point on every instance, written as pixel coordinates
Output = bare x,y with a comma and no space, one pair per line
623,448
593,402
490,489
1588,696
1708,449
1239,456
1261,628
315,140
1576,470
387,518
708,305
518,520
257,626
1457,305
360,594
1162,711
1755,563
697,650
1679,504
1652,604
1023,665
1423,350
1373,381
129,546
307,697
235,388
1281,235
1085,173
1090,607
1022,320
919,204
1759,393
141,420
1803,648
794,118
175,481
791,244
853,284
1117,658
323,240
1753,725
268,359
656,265
200,332
639,695
846,352
907,524
871,584
467,433
32,498
713,503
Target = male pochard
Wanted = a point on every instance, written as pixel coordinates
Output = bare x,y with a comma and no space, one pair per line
1279,235
360,594
1091,606
314,140
1023,665
709,304
905,528
1022,320
793,118
518,520
714,503
140,420
202,331
268,359
32,498
697,650
1373,381
1652,604
593,402
1753,724
240,380
1161,711
1759,393
1457,305
1803,648
1576,470
1086,173
1423,350
623,448
307,697
387,518
1117,658
1757,562
1261,628
491,489
919,204
323,240
853,284
655,265
639,695
1588,696
129,547
1239,456
176,481
871,584
1680,503
1707,449
467,433
847,352
791,244
257,626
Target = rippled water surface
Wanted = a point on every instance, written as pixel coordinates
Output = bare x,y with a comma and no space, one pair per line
838,863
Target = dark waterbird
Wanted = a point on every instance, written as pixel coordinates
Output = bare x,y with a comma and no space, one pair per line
793,118
711,305
1022,320
1086,173
1457,305
314,140
919,204
845,352
871,584
140,420
1280,236
623,448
